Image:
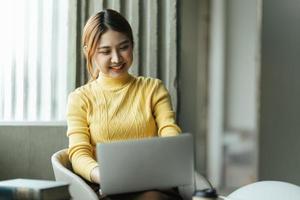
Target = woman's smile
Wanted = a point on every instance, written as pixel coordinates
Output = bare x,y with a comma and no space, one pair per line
117,66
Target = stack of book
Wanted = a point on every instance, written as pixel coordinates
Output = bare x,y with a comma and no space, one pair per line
30,189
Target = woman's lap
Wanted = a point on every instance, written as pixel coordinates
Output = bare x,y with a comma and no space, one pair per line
168,194
171,194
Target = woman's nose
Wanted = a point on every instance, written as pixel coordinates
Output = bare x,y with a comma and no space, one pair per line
115,58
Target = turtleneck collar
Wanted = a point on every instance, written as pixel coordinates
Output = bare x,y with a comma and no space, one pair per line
110,83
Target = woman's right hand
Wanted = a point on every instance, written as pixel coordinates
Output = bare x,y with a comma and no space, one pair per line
95,175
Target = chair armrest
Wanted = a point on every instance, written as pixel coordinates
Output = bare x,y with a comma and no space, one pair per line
187,191
79,189
200,182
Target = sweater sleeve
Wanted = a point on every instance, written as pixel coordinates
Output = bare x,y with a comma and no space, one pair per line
80,148
163,113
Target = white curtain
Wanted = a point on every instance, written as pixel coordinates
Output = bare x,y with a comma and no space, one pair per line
33,60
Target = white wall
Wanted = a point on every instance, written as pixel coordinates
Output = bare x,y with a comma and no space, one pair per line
241,65
233,85
279,141
26,151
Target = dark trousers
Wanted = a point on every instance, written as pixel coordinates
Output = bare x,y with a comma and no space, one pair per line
168,194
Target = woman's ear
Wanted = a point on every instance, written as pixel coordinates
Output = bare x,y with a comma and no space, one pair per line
85,50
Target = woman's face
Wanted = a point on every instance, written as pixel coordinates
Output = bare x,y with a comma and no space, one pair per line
113,55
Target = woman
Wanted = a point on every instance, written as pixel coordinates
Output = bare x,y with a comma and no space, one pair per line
114,105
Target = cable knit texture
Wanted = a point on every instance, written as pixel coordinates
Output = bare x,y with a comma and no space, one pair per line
110,109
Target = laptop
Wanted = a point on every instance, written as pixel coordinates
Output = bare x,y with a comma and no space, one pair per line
145,164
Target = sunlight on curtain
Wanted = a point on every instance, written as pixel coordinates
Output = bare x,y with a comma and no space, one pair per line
33,60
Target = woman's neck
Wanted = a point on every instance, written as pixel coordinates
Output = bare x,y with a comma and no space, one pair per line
113,83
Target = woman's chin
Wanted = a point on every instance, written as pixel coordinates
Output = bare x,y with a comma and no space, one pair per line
117,74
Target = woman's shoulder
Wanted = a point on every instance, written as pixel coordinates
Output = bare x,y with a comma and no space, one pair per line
83,91
148,81
151,86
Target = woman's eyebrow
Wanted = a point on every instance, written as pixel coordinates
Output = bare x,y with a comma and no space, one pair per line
103,47
121,43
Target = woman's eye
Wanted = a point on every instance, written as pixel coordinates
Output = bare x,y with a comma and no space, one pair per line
104,52
124,47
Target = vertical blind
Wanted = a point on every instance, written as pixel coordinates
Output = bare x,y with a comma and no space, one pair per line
33,60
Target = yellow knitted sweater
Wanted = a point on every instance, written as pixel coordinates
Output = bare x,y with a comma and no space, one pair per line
110,109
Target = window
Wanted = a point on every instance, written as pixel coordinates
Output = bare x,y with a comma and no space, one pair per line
33,60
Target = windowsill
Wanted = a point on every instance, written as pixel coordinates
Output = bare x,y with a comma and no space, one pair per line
33,123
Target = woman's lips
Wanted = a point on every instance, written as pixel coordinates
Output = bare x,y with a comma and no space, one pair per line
117,67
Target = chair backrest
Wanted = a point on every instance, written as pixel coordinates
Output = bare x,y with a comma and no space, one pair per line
62,169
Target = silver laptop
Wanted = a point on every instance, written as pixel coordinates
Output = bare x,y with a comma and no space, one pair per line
143,164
